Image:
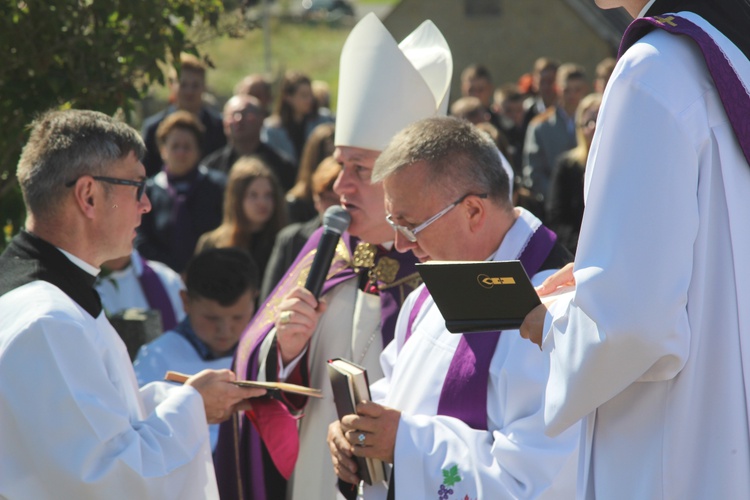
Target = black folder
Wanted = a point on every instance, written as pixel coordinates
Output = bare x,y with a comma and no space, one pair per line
480,296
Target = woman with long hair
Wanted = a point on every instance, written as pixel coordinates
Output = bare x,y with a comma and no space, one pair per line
299,199
254,212
295,117
564,203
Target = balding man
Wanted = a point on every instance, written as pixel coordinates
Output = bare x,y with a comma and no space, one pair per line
243,120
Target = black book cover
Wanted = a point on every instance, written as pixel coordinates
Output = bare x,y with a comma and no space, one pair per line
351,386
480,296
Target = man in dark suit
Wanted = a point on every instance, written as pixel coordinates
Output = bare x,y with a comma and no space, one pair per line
243,121
187,89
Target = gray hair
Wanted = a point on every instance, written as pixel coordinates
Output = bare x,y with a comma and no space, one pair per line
461,158
65,145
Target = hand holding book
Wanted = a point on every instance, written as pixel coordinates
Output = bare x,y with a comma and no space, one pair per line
351,391
372,430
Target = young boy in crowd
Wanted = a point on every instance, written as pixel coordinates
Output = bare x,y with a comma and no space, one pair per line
222,285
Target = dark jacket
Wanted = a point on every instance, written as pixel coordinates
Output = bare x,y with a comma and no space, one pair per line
159,238
564,202
224,158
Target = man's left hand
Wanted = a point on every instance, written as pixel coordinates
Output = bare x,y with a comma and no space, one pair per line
378,425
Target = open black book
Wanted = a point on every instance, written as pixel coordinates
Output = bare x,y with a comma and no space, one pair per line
350,386
480,296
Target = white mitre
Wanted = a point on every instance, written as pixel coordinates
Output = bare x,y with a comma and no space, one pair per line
384,86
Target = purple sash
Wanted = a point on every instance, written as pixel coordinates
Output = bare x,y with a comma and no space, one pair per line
239,452
464,393
731,90
156,295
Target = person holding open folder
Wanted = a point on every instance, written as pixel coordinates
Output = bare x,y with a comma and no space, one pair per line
461,414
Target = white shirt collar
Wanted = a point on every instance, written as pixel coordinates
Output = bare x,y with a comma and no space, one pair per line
518,236
645,8
94,271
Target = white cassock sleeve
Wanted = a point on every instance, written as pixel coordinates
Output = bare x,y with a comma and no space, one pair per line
628,320
78,427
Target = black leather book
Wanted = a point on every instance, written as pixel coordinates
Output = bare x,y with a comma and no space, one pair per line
350,386
480,296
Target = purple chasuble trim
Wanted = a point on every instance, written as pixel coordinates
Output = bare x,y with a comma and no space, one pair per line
734,96
242,440
464,392
156,295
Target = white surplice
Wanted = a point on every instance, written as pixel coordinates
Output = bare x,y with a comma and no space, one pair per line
513,458
122,289
73,423
650,348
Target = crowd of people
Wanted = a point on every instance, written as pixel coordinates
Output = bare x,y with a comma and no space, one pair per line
623,205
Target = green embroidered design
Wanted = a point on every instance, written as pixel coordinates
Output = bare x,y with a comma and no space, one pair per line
450,476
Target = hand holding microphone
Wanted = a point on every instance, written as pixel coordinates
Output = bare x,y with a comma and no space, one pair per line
300,309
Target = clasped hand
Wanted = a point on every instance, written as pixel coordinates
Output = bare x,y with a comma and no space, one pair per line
370,433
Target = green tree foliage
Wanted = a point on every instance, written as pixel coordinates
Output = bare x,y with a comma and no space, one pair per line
101,55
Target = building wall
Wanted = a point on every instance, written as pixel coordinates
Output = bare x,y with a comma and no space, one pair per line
507,43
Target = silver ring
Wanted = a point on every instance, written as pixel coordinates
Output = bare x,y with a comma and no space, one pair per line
361,438
285,317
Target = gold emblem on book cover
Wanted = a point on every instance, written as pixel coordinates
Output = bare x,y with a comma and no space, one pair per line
488,281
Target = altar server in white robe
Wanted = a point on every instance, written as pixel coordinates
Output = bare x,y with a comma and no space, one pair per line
131,282
74,424
449,434
653,346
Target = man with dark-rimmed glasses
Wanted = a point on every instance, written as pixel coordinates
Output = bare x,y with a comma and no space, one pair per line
74,423
140,184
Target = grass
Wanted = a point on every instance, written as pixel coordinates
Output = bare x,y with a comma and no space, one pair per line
309,47
312,48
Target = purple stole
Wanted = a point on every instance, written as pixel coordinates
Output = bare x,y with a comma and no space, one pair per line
731,90
464,393
239,451
156,295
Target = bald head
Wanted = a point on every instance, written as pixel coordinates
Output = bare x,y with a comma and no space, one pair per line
243,118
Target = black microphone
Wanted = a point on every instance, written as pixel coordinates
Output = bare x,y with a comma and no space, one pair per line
335,221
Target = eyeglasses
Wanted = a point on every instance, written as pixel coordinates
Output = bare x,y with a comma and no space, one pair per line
140,185
411,234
